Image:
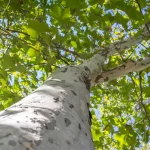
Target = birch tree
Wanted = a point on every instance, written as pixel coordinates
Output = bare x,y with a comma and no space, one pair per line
74,75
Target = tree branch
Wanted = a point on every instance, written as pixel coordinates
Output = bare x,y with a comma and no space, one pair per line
96,62
11,30
141,98
69,51
124,69
140,8
11,35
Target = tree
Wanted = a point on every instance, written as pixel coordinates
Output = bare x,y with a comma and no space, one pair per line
90,49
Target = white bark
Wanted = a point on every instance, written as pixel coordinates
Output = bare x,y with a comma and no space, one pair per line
96,62
129,66
54,117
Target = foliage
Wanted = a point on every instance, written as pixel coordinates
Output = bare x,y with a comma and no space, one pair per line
39,36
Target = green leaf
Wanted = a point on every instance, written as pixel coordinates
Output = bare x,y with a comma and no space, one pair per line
57,25
33,33
8,103
74,44
74,4
96,134
92,2
120,138
32,52
146,90
142,3
61,14
7,62
56,12
1,107
39,27
65,14
21,68
131,11
146,137
147,18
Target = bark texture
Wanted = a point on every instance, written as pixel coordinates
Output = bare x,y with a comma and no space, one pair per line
96,62
56,115
129,66
53,117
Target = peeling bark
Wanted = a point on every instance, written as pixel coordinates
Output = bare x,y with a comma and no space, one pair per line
97,61
56,115
122,70
53,117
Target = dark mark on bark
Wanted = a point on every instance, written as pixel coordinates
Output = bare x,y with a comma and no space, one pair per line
67,122
79,126
12,143
56,99
71,106
124,65
81,79
88,105
51,125
1,137
86,134
67,142
86,68
64,70
50,140
90,118
75,80
106,79
88,84
73,92
97,78
142,64
63,81
90,115
104,53
37,142
52,117
57,113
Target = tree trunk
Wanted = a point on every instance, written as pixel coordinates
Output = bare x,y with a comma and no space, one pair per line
53,117
56,115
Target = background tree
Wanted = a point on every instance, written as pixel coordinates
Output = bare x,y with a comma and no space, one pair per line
38,37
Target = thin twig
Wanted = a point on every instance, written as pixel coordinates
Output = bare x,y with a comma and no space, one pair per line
60,57
140,8
11,30
143,46
67,50
6,8
9,34
141,96
134,85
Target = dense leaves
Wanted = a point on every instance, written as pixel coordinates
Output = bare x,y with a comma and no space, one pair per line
37,37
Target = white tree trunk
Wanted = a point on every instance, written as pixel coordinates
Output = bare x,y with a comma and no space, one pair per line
53,117
56,115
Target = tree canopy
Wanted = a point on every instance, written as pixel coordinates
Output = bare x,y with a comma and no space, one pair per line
37,37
